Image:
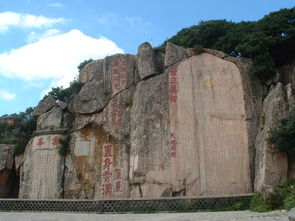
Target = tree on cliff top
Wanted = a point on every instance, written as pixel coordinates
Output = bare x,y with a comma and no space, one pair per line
270,42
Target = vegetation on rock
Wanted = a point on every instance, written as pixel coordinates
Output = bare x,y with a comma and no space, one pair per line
64,145
65,94
283,197
84,63
283,137
270,41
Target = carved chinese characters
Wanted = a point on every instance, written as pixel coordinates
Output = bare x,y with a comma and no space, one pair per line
111,176
107,165
119,76
46,142
117,113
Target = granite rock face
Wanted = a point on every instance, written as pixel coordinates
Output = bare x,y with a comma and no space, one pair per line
271,164
44,106
174,54
6,170
149,61
189,129
50,120
118,73
146,125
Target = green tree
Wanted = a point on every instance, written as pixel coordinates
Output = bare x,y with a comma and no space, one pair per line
83,64
283,136
19,133
272,38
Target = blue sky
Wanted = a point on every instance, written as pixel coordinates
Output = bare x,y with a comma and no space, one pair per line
43,41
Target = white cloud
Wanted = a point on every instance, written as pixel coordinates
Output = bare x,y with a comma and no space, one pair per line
55,5
13,19
133,21
55,57
35,36
6,95
108,18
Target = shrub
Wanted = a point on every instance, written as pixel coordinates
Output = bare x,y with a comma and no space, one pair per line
283,136
283,197
65,94
129,102
20,133
84,63
64,145
198,49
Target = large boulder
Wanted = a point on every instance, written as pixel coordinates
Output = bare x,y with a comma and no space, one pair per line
92,71
271,164
174,54
119,73
44,106
50,120
149,61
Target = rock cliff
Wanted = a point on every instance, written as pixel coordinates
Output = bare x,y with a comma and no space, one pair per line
160,125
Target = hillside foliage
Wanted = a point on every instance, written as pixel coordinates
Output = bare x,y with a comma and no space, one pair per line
270,41
19,133
283,197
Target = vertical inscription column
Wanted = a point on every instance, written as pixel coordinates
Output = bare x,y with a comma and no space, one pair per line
112,175
107,165
117,113
173,97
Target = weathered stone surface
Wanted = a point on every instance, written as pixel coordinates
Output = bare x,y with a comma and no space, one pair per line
44,106
189,131
145,60
174,54
6,170
271,165
182,139
216,53
42,170
149,154
208,123
149,62
98,167
62,104
292,215
119,73
91,98
92,71
19,159
50,120
6,156
94,132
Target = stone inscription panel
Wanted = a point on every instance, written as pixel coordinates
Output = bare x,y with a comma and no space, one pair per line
82,148
45,175
209,150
